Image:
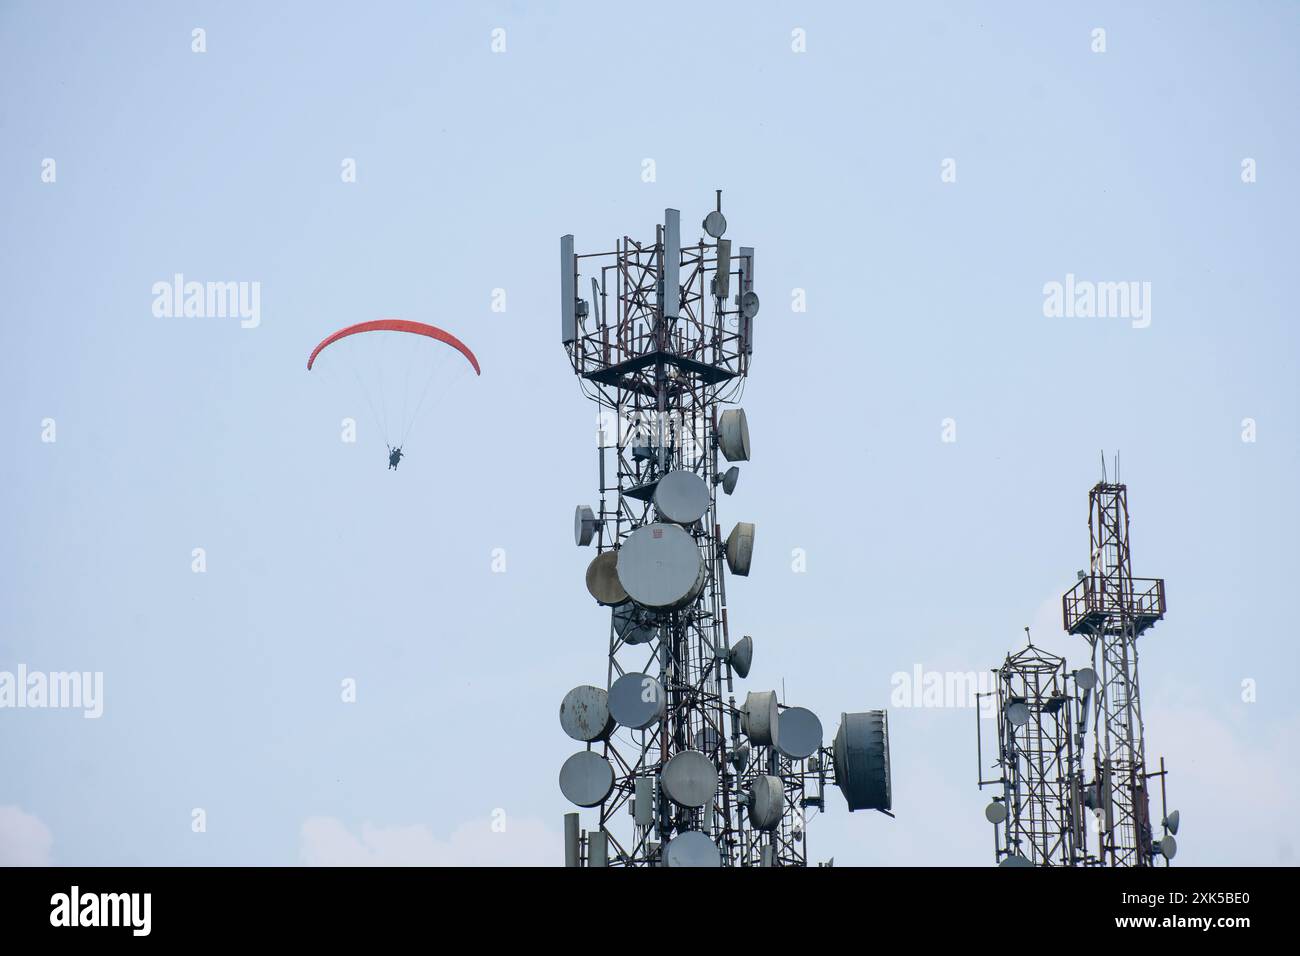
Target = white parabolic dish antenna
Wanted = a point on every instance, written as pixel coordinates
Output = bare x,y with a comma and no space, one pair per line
690,779
742,656
1015,859
691,848
682,497
602,579
1018,713
584,713
1086,678
995,812
740,548
636,700
660,566
766,802
633,624
800,734
586,778
760,718
733,434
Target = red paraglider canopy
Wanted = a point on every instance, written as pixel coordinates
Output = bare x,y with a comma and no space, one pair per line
398,325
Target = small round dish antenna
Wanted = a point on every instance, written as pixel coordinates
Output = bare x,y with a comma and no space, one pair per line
715,224
749,304
1015,859
1085,678
740,758
1166,846
1170,822
740,548
741,656
602,579
690,779
682,497
733,434
635,625
708,741
584,525
691,848
766,802
584,713
800,733
660,566
728,479
636,700
760,718
1018,713
995,812
586,778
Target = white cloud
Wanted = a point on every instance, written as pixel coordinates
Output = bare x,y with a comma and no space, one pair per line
24,840
327,841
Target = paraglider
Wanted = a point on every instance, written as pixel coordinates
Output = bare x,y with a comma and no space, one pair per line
394,363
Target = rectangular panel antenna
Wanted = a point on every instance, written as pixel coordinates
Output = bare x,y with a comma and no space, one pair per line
722,278
746,285
568,291
672,263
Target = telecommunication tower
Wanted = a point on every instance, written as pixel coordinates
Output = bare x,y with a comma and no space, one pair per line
1043,713
1038,817
678,772
1112,609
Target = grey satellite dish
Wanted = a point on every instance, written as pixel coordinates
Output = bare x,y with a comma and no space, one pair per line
682,497
728,479
636,700
1018,713
760,718
861,758
634,625
1166,846
689,779
584,713
740,758
707,740
1015,859
602,579
586,779
584,526
715,224
801,733
741,656
995,812
1170,822
660,566
749,304
691,848
1086,678
766,802
733,434
740,548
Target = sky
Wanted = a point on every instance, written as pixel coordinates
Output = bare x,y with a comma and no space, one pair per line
912,177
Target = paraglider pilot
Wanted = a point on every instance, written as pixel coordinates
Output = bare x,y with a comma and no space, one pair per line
394,456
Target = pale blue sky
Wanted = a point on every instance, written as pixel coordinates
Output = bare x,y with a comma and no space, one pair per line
924,303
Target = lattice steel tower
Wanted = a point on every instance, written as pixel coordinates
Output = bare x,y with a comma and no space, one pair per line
681,774
1112,609
1038,816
